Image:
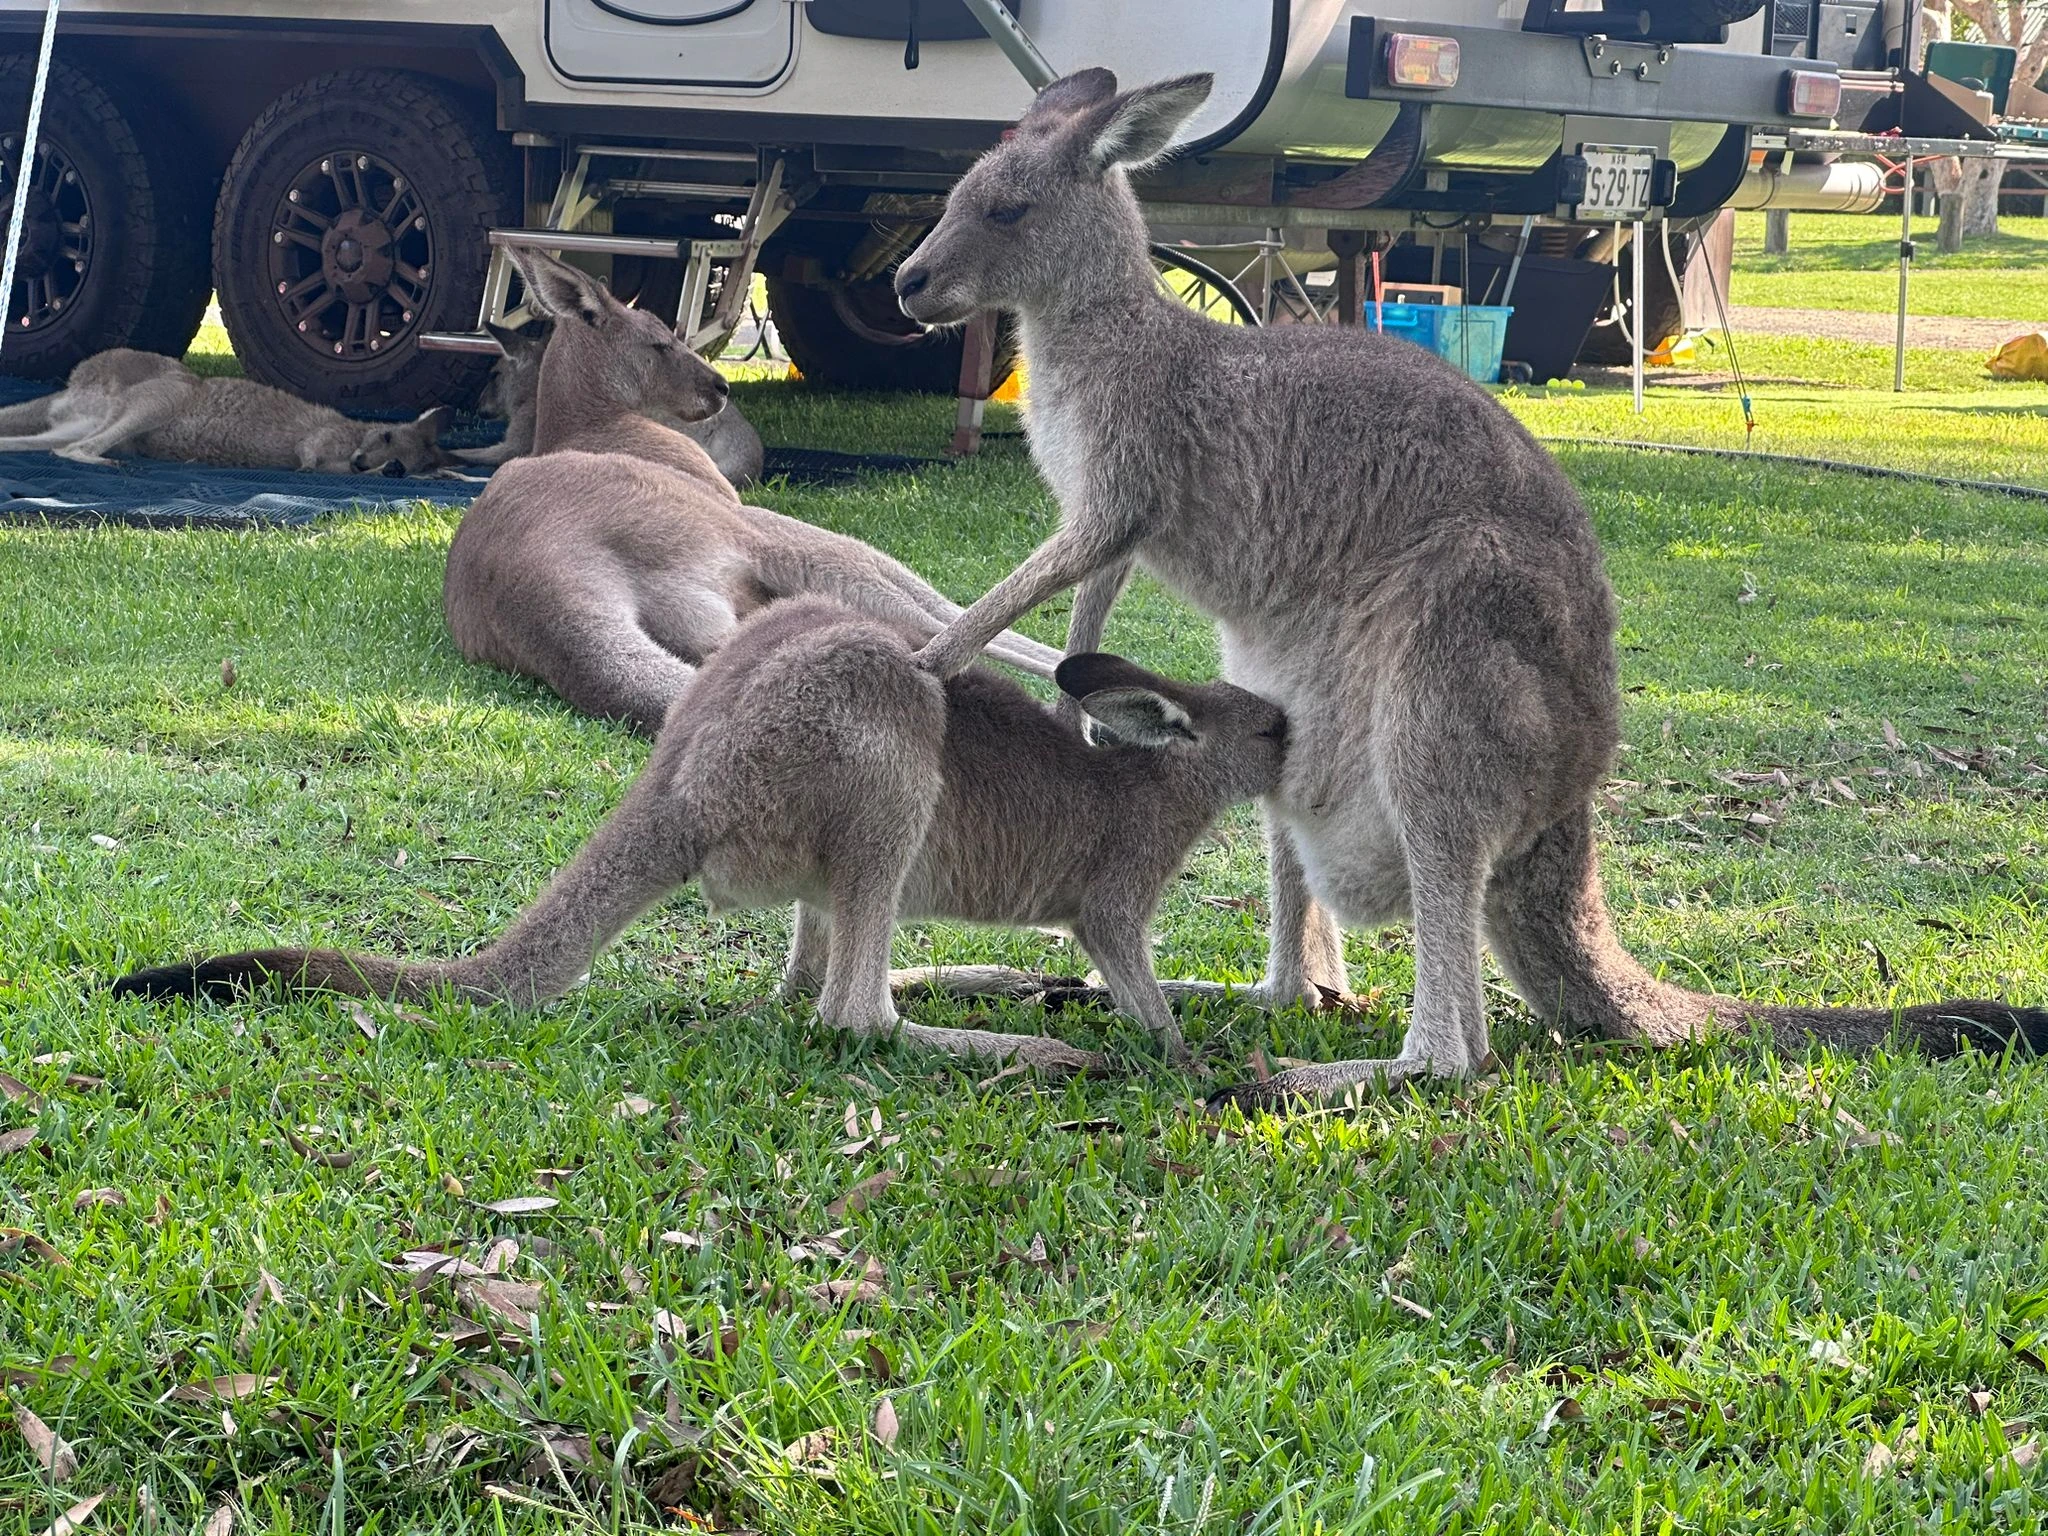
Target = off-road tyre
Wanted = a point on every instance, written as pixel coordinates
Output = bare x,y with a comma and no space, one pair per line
813,323
463,179
146,276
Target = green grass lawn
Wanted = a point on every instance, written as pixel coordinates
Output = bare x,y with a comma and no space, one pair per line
1999,432
1851,261
1605,1292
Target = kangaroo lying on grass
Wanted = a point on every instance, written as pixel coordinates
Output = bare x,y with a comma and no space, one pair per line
155,407
513,393
813,760
1389,556
615,559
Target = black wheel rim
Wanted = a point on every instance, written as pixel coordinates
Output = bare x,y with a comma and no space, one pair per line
351,256
56,234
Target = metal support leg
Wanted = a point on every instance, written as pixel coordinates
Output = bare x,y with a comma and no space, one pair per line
1348,246
977,383
1905,270
1638,255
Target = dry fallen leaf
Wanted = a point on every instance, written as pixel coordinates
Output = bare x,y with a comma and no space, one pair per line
267,1293
87,1198
51,1453
2020,1459
12,1238
723,1344
163,1211
74,1517
227,679
452,1185
363,1021
14,1140
1978,1402
15,1091
230,1388
1878,1460
516,1304
858,1198
521,1205
633,1106
834,1294
885,1423
813,1452
221,1522
1891,735
313,1155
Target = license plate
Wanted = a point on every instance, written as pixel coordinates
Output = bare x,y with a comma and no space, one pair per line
1617,181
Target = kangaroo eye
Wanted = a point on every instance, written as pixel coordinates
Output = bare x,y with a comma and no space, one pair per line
1008,213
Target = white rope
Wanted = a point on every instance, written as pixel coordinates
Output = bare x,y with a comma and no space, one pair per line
24,175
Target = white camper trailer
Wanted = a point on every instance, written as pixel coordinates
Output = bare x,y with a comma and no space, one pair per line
343,174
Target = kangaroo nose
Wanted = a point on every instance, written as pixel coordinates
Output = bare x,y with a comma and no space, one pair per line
911,281
394,468
719,387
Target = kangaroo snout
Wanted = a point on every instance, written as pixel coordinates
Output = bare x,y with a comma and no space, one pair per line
916,297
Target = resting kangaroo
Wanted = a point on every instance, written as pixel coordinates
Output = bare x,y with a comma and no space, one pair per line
156,407
813,760
1389,556
617,558
514,389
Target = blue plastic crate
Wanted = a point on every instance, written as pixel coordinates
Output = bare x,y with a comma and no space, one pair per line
1467,336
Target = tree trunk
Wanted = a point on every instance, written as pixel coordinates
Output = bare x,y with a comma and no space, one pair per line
1980,197
1947,177
1777,232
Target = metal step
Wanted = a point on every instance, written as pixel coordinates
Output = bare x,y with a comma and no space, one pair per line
478,343
592,245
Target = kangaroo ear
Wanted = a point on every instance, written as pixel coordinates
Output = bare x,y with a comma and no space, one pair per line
1069,94
558,290
1138,127
512,341
1140,717
433,421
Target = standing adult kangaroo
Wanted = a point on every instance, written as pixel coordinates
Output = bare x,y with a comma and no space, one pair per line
614,560
1389,556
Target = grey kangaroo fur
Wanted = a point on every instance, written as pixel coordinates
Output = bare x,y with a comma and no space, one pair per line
813,760
154,406
1388,555
514,389
615,559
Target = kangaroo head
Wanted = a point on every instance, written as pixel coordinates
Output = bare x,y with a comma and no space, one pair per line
1240,738
516,377
1049,205
406,448
602,352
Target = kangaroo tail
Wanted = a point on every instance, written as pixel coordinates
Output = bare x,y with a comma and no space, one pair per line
1547,921
643,851
27,417
804,559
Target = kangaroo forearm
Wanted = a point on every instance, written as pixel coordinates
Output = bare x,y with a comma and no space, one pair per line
1093,600
1057,564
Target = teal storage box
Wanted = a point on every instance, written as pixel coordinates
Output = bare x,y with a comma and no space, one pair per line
1467,336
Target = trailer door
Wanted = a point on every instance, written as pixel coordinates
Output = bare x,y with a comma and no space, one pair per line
672,42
